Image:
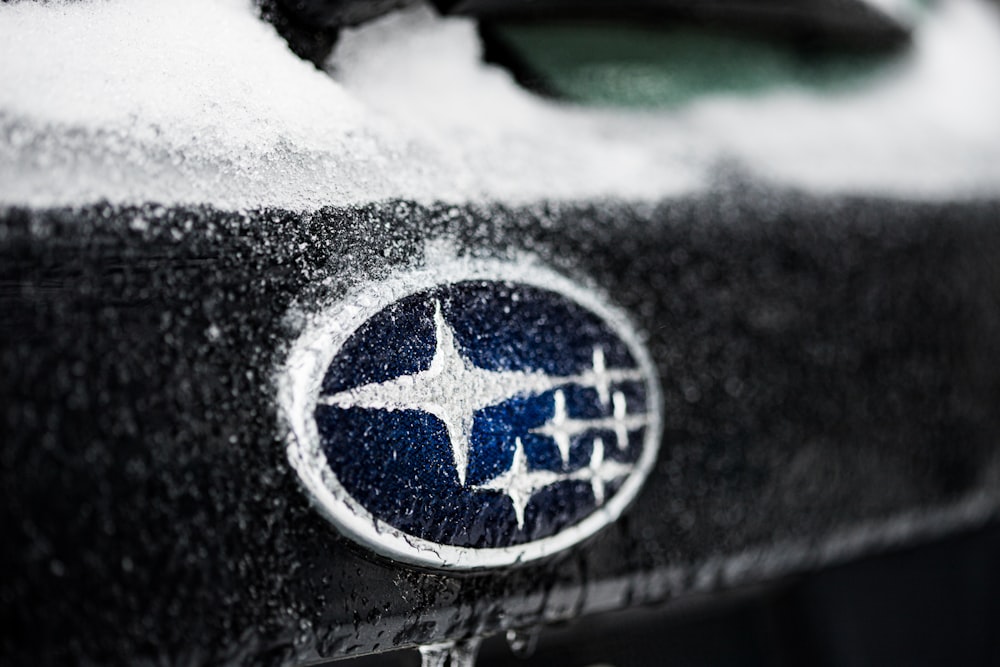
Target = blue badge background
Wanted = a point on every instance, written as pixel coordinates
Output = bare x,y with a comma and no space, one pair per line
398,464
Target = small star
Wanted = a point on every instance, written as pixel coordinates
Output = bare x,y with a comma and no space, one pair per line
601,471
519,483
600,377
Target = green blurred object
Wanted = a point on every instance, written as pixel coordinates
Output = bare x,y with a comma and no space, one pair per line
632,65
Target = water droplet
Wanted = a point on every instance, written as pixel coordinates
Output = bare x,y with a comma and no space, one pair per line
435,655
523,642
463,654
450,654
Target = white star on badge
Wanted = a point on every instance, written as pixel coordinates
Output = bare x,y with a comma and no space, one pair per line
452,389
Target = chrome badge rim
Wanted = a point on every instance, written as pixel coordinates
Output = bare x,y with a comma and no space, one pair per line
300,395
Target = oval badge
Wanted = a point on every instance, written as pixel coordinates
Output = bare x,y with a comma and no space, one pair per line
477,415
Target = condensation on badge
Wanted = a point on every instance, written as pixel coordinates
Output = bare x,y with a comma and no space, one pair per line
476,413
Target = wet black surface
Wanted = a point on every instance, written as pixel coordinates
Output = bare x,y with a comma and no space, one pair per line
932,605
827,366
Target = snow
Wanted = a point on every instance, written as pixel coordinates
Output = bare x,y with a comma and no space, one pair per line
199,101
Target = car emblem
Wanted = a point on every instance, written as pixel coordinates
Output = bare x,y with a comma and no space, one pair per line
478,414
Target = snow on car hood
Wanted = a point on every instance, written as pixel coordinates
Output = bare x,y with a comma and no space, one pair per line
198,101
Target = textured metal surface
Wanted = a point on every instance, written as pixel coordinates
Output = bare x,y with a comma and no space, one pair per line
829,370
